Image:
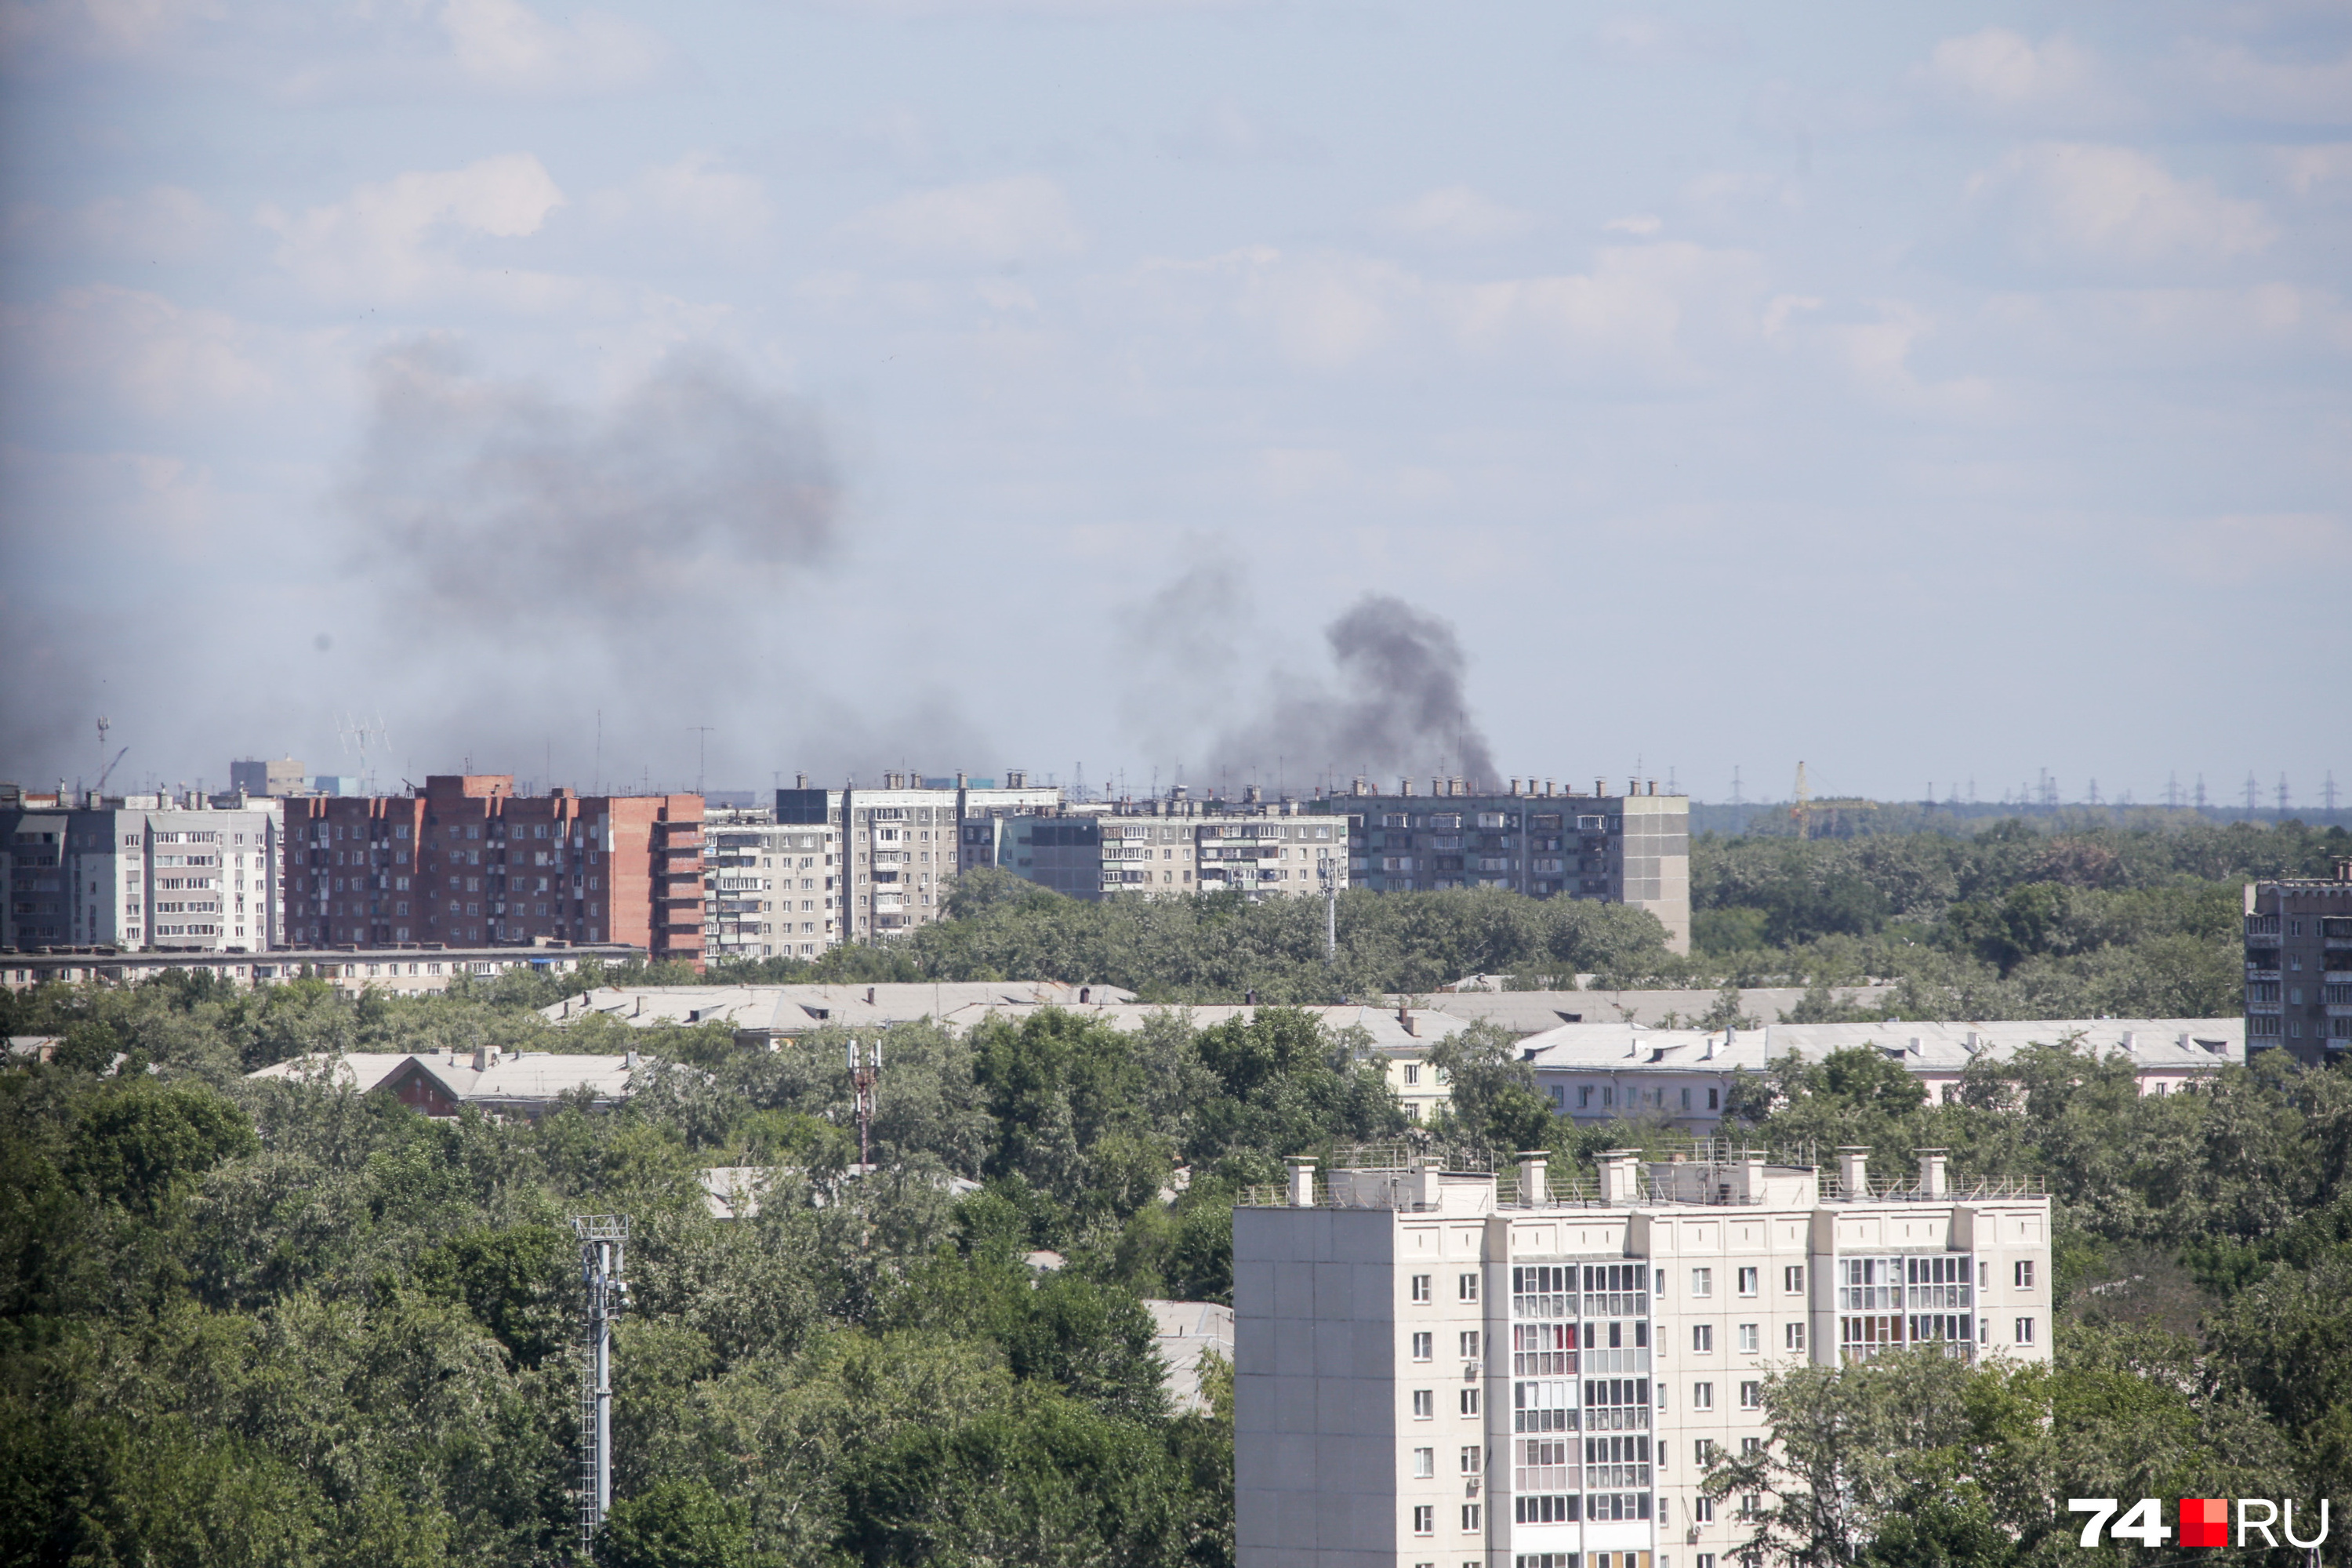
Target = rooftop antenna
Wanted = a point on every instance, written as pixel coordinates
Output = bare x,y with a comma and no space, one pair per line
604,1241
863,1073
355,733
701,750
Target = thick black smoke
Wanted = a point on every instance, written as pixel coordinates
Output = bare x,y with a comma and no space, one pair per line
1394,705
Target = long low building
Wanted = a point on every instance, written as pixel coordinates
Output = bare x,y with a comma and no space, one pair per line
1532,1011
403,971
764,1014
1598,1072
499,1083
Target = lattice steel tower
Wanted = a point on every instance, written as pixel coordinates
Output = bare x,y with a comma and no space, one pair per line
604,1241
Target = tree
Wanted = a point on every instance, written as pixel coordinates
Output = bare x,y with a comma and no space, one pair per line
676,1524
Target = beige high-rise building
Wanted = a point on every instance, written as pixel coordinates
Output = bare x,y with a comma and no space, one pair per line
1450,1369
899,843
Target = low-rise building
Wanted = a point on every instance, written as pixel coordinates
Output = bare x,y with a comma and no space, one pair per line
1533,1012
769,1015
527,1084
1446,1364
2299,966
399,971
139,872
1599,1072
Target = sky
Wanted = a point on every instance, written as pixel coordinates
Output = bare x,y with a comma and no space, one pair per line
632,396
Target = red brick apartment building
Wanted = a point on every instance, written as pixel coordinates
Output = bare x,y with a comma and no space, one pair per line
466,861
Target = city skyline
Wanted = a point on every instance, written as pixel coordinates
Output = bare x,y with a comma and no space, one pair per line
1913,395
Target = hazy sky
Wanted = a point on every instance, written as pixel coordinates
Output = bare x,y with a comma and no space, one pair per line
1929,393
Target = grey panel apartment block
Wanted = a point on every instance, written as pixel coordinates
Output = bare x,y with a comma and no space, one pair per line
138,872
900,843
768,891
2299,967
1439,1367
1166,847
1632,849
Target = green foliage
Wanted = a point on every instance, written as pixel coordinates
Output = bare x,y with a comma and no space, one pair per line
677,1524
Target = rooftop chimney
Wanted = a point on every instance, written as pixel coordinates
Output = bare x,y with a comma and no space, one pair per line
1404,1018
1854,1170
1618,1182
1932,1179
869,995
1534,1188
483,1057
1600,787
1302,1181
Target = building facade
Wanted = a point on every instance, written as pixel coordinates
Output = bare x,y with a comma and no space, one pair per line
1440,1367
139,872
1167,847
900,843
465,861
770,890
259,776
2299,967
1632,849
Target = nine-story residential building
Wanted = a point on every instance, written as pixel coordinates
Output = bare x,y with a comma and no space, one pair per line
2299,967
1448,1367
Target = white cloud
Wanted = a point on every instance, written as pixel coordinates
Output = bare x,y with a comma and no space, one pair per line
2309,169
693,202
166,222
1877,355
1641,307
134,351
506,44
105,27
1456,214
2003,72
988,221
1227,132
390,241
2237,82
1642,225
2088,202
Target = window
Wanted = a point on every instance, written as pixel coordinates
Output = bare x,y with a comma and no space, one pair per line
1713,1099
1686,1103
1470,1345
1792,1336
1702,1282
1748,1281
1702,1452
1792,1280
1583,1096
2025,1330
1466,1288
1473,1459
1424,1521
1703,1338
1751,1396
1748,1338
1412,1074
1473,1516
1703,1513
1425,1347
1421,1287
1424,1404
1702,1396
2025,1273
1984,1276
1469,1402
1424,1463
1749,1449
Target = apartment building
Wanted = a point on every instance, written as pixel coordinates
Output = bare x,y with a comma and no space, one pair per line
266,777
2299,966
1171,845
1632,849
1449,1366
770,890
136,872
465,861
900,843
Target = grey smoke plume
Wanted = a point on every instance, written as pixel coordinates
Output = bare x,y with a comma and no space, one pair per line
499,509
1395,705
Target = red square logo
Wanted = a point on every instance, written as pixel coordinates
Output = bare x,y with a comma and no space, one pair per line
2204,1521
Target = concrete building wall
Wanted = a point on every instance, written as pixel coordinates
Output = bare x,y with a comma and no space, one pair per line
771,891
900,845
198,879
2299,967
1633,849
1432,1369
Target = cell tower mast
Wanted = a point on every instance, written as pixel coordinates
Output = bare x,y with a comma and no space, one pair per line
864,1074
1803,810
603,1242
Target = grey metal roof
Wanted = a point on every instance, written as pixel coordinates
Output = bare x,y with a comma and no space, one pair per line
2199,1045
